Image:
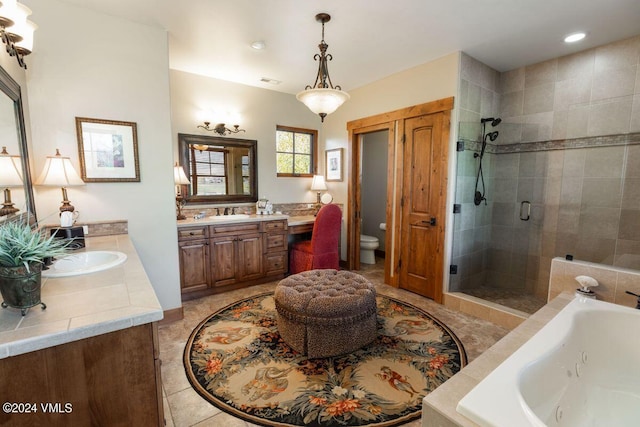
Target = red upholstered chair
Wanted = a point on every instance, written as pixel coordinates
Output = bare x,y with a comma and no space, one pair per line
322,250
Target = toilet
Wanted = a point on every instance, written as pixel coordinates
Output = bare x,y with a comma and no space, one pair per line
367,245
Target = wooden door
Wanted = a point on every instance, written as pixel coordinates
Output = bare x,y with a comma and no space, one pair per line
249,256
194,265
223,260
422,218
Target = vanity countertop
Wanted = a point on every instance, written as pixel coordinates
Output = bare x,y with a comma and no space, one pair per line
80,307
291,220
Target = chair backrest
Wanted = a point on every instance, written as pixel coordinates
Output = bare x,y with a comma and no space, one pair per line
326,229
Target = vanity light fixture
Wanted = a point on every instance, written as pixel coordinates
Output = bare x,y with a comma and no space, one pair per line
59,172
15,30
10,176
220,128
323,98
180,178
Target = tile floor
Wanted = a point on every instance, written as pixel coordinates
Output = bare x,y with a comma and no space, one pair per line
184,407
517,300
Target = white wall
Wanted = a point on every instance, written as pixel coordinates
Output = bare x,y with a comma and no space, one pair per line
91,65
427,82
259,111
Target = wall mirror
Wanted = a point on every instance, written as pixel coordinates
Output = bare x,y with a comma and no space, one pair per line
13,136
220,170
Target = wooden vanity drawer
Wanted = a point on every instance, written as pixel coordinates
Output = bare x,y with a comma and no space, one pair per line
276,263
245,227
189,233
274,226
275,242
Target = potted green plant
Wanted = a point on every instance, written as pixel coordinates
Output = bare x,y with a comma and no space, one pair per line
23,251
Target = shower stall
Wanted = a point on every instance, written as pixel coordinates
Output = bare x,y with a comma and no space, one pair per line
520,204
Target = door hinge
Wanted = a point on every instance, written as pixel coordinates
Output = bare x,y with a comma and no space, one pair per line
453,269
404,138
399,263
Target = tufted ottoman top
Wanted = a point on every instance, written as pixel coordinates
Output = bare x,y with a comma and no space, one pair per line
325,296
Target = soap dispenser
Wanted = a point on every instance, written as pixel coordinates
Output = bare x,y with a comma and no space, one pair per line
586,282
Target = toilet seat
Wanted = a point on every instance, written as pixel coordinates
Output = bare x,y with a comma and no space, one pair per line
368,239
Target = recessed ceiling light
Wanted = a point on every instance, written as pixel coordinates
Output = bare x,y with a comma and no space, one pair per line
258,45
572,38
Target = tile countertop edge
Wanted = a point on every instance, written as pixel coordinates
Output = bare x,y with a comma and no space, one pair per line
440,405
291,220
81,327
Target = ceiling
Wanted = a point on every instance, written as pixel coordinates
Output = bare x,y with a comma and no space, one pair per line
368,39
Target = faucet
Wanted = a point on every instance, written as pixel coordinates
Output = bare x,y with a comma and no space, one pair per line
233,210
218,211
637,301
226,211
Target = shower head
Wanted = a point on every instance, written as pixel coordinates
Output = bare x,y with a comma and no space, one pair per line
494,121
492,136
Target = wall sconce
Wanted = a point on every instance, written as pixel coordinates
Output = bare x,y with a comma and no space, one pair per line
15,30
323,98
220,128
180,178
318,185
59,172
10,176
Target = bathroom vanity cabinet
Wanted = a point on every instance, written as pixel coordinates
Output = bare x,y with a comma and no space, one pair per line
223,256
92,357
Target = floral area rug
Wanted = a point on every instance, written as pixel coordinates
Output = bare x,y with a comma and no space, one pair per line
236,360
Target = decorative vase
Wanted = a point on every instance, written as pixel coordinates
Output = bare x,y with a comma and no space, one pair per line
20,287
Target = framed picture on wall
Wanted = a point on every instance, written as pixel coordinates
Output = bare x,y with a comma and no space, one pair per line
108,150
333,164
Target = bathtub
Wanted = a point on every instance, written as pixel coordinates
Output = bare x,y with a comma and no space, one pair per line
581,369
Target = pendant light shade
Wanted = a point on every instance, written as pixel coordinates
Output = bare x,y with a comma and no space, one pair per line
323,98
323,101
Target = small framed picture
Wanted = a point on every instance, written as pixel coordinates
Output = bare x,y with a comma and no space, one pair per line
108,150
333,165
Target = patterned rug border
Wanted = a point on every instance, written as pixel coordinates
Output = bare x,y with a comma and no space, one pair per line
196,386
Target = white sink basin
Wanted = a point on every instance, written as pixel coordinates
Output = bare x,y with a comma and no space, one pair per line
229,217
84,263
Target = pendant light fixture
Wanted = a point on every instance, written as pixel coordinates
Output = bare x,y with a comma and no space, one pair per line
323,98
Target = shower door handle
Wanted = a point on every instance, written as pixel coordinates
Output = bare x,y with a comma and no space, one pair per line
525,210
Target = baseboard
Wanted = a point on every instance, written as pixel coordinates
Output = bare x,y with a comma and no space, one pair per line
172,315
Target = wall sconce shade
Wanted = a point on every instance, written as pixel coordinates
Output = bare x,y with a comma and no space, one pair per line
10,176
15,30
59,172
323,98
220,128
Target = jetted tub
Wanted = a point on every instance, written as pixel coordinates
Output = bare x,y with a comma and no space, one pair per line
581,369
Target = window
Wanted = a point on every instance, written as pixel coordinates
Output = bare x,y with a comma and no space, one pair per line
209,170
295,151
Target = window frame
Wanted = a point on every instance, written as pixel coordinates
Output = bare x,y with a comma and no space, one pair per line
314,151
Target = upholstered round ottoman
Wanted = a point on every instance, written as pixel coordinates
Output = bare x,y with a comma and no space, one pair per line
324,313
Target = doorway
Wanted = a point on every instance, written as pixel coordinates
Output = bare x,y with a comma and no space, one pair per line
416,192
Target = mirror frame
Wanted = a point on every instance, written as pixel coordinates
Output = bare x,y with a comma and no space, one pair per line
12,89
251,144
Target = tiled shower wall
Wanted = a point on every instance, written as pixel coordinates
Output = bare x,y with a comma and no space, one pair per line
584,189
